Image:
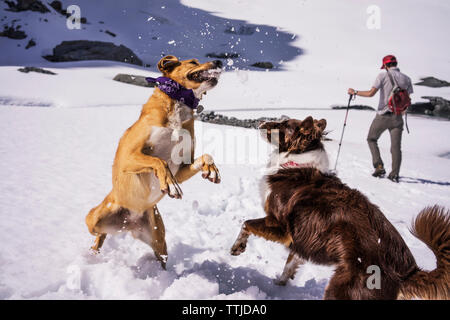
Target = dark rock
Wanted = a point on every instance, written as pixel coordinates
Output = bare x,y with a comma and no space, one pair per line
13,33
30,44
263,65
79,50
25,5
132,79
441,106
34,69
432,82
112,34
212,117
438,107
421,108
354,107
223,55
57,5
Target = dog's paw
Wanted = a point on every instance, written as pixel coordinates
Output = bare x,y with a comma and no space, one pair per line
171,186
280,282
209,169
211,173
94,250
174,190
238,248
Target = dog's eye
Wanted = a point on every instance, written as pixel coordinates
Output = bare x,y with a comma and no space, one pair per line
194,63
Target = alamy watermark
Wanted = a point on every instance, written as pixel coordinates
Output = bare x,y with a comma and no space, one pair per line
74,19
73,281
374,280
374,20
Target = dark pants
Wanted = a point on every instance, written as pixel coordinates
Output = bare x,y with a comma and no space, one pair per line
380,124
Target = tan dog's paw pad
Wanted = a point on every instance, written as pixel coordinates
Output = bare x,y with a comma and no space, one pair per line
94,250
171,186
210,172
175,191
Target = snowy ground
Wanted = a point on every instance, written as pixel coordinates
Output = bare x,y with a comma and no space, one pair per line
59,134
55,165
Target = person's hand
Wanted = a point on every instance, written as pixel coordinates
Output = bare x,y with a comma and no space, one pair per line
351,91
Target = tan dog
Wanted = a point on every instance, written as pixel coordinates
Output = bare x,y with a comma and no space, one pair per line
144,171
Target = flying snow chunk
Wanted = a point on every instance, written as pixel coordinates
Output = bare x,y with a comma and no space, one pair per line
171,42
230,62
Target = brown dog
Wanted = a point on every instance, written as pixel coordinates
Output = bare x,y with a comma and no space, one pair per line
144,169
323,220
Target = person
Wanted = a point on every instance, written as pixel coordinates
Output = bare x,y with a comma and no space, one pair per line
385,119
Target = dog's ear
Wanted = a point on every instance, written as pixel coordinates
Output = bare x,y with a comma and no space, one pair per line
320,125
166,64
306,125
273,130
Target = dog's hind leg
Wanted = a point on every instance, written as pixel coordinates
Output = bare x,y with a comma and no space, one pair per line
266,228
292,263
95,216
98,242
150,229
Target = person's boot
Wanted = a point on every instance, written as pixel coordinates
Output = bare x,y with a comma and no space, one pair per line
379,171
393,177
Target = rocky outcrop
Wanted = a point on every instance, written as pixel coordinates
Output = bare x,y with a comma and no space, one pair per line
13,33
222,55
34,69
30,44
112,34
57,5
212,117
132,79
79,50
25,5
263,65
441,106
354,107
432,82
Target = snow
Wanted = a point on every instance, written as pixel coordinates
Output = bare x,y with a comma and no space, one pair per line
59,134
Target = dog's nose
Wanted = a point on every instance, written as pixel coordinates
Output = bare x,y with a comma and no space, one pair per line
217,63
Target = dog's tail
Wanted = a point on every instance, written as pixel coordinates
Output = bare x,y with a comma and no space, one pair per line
432,226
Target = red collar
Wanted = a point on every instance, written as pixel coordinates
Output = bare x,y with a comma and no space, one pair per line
292,164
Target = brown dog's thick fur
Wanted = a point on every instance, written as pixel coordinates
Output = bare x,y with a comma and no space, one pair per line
323,220
144,170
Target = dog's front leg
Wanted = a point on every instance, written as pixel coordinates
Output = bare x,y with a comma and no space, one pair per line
267,228
142,163
205,164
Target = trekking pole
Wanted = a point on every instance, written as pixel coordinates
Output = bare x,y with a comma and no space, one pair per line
343,129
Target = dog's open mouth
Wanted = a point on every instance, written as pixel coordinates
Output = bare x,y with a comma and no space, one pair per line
211,75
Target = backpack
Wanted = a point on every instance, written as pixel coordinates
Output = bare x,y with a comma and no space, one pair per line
399,99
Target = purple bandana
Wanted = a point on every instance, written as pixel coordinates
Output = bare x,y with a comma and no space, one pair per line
176,91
